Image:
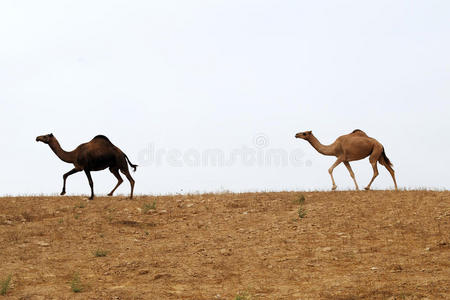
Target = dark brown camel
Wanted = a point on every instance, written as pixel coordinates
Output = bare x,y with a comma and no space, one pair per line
96,155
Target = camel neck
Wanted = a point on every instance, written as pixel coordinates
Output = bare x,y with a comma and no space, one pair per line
63,155
322,149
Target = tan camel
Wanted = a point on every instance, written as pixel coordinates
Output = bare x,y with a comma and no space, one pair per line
350,147
96,155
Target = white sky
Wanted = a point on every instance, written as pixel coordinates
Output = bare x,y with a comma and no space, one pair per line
188,76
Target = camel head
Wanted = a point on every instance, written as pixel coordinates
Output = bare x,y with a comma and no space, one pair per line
45,138
304,135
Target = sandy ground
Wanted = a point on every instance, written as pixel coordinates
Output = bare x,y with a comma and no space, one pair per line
349,245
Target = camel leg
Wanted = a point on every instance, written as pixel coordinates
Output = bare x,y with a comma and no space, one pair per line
119,180
330,171
392,172
349,168
375,174
91,183
130,179
73,171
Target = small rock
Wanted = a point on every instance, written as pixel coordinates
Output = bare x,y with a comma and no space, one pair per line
225,252
43,244
327,249
143,272
189,205
163,212
427,249
245,213
374,268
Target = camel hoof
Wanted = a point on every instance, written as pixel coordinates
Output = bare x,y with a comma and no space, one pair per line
110,194
334,188
367,188
63,193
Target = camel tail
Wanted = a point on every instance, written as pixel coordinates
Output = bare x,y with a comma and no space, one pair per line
384,160
131,165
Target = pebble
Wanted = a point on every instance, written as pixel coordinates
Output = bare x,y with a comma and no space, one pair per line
43,244
226,252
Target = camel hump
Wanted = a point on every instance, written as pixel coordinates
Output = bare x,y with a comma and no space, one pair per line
101,137
359,132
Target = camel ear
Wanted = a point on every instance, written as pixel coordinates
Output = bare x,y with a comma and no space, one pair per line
51,134
309,132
